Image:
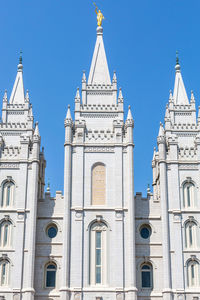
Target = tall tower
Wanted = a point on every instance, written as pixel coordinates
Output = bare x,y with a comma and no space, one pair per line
99,227
20,187
176,177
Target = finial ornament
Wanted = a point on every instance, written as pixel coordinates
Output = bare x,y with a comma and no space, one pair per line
20,57
177,58
100,16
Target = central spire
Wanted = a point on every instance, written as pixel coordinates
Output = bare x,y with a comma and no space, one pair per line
17,95
99,73
180,95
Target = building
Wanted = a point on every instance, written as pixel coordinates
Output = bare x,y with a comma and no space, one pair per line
97,241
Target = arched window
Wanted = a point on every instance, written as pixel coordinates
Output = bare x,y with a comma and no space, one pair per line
98,184
5,234
98,260
188,195
4,272
50,275
193,274
146,275
190,235
7,194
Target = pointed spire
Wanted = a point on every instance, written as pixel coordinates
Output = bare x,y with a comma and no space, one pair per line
5,97
17,95
129,116
83,77
192,99
27,96
68,116
120,97
114,80
36,132
180,95
167,112
161,130
30,113
99,73
77,97
170,96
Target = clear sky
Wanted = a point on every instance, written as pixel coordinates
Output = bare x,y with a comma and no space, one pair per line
141,37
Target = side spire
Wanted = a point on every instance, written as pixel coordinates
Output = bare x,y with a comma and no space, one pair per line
68,116
179,95
17,95
99,73
129,116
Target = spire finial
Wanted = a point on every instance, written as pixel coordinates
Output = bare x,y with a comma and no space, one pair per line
20,57
100,16
20,66
177,67
177,58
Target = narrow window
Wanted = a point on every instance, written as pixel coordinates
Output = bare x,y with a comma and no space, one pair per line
5,234
4,268
98,185
7,194
193,274
98,256
188,195
191,235
146,274
51,276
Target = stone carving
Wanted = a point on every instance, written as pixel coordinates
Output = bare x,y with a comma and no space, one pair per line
9,166
99,149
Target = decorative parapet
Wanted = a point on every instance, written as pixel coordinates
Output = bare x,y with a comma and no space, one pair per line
11,151
187,152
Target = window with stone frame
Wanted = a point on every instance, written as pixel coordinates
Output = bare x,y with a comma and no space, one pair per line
7,195
4,272
191,237
98,254
146,276
5,233
193,270
189,195
50,275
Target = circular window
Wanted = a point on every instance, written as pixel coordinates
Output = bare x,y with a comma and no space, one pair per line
52,231
145,231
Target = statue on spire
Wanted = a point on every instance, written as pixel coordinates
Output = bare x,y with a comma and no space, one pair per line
100,16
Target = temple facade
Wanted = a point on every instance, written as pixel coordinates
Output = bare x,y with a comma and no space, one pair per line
98,240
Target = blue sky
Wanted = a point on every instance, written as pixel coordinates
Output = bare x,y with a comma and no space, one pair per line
57,38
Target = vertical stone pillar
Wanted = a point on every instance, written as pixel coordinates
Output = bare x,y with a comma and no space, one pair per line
132,291
31,222
165,218
64,290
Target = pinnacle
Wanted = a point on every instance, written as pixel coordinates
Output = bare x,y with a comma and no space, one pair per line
68,116
129,116
36,132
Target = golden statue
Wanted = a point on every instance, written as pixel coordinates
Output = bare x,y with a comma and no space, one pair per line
100,16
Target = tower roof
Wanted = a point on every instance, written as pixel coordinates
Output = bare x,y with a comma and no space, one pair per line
179,95
99,73
17,95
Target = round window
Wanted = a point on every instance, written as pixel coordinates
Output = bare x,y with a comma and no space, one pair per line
52,231
145,231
